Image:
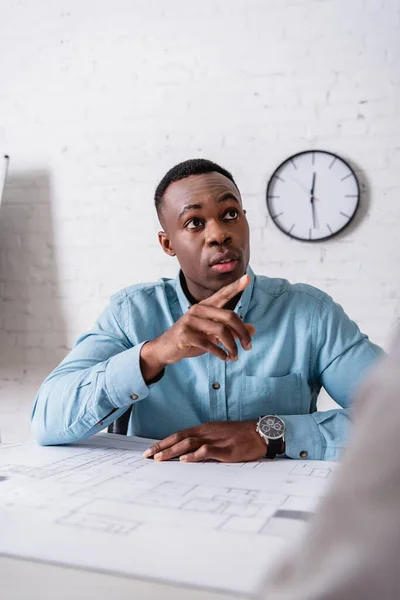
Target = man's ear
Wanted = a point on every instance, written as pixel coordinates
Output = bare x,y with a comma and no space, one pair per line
165,243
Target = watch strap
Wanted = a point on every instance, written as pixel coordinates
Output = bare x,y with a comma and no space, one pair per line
274,447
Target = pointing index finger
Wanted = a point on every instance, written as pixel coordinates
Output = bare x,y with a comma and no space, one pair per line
222,297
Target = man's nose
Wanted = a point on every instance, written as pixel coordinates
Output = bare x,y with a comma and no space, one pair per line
217,234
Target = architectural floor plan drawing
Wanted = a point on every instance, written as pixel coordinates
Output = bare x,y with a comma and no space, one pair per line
100,505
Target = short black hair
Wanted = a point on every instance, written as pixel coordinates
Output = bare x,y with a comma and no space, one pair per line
193,166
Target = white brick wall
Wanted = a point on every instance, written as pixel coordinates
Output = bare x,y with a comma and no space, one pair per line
99,99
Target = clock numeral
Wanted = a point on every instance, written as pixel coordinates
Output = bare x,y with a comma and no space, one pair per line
344,215
276,216
346,176
290,230
293,163
351,196
280,178
332,163
330,230
309,235
272,196
313,158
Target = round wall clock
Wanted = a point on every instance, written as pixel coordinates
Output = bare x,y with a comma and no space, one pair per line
313,195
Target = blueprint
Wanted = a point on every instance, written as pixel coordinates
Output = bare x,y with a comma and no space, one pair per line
99,504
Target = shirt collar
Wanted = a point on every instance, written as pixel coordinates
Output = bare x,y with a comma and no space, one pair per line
241,308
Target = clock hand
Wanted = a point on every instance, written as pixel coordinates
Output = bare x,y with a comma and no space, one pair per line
303,187
312,200
313,184
313,211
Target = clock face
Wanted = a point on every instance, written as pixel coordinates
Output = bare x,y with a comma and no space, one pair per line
313,195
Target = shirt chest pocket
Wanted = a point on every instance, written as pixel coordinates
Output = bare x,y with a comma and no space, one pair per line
272,395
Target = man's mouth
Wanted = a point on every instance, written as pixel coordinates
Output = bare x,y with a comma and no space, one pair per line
225,267
225,262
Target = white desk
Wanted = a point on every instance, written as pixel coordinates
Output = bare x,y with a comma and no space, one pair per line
29,580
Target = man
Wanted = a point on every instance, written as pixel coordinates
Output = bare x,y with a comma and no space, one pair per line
351,550
179,353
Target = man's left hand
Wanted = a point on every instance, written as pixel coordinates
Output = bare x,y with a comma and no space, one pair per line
231,441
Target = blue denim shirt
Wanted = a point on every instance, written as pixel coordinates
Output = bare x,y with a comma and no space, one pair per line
303,341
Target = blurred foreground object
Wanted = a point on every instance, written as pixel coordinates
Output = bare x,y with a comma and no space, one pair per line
3,174
352,548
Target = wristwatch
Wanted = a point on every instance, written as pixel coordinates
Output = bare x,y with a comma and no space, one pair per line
272,429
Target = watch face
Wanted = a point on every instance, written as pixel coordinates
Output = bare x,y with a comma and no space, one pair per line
272,427
313,195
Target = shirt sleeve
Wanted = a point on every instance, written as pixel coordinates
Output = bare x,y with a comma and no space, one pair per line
341,356
94,385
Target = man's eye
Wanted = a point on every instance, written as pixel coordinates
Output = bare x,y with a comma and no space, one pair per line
193,224
231,214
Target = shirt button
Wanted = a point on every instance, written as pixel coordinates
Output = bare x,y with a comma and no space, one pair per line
241,315
303,454
216,385
134,396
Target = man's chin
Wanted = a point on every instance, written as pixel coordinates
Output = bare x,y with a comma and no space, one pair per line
223,277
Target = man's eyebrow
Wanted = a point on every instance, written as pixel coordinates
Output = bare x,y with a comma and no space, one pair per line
189,207
223,198
228,196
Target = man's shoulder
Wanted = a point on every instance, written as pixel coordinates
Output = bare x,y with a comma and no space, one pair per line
275,286
144,291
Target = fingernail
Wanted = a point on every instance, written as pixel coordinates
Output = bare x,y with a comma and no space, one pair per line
147,453
187,457
158,456
249,346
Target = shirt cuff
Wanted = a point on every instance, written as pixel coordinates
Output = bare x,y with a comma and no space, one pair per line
123,378
302,437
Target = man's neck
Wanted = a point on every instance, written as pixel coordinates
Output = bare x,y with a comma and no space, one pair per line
229,306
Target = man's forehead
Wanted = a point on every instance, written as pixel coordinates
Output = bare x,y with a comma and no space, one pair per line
200,187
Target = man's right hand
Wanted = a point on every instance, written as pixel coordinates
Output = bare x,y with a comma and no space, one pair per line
200,330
